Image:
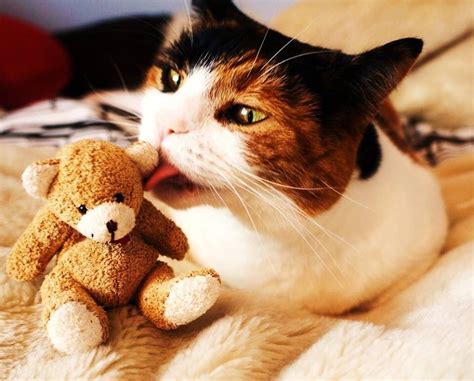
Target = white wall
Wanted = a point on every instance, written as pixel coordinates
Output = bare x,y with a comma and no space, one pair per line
61,14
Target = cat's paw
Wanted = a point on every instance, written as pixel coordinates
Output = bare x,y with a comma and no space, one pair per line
190,297
72,328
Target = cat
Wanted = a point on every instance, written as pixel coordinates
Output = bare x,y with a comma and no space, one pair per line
285,164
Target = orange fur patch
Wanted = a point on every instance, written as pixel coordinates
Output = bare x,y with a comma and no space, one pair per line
288,147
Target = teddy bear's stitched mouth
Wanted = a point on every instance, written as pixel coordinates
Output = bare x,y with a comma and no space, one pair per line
125,239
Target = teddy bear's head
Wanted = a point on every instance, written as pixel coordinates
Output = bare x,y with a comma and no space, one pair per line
94,186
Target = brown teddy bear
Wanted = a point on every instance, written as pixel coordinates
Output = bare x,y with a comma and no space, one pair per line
108,239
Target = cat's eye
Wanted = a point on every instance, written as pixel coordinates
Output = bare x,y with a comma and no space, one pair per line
119,197
246,115
171,80
82,209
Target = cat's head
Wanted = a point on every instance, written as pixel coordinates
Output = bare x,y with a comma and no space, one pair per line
241,108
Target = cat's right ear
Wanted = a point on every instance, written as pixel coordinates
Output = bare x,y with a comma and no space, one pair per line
216,11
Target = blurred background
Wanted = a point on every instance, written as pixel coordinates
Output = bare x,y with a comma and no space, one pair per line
87,49
56,15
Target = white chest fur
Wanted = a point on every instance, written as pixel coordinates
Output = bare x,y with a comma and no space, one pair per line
381,233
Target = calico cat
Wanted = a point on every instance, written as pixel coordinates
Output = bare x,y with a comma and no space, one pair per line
285,163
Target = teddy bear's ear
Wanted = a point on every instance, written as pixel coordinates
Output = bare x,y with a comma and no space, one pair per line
144,156
38,177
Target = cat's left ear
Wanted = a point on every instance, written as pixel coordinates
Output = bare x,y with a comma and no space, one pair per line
381,69
366,79
216,10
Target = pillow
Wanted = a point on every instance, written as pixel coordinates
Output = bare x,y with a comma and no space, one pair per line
34,65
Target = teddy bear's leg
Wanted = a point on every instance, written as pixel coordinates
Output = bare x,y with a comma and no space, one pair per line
74,321
170,301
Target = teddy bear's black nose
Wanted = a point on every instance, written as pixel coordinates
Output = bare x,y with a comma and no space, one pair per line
111,226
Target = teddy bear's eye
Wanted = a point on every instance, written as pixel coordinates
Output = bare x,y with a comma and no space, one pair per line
82,209
119,197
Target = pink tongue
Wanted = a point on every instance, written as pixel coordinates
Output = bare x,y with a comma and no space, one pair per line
163,172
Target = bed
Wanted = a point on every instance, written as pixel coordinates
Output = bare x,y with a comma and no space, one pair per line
425,331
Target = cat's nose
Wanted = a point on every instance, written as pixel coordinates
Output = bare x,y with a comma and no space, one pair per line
178,128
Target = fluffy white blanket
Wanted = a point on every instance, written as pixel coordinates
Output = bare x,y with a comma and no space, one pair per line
424,332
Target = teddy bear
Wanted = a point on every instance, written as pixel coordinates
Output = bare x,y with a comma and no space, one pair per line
107,239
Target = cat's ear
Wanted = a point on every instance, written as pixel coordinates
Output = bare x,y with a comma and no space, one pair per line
216,10
366,79
377,72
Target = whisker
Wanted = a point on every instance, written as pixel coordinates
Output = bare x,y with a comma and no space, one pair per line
347,197
292,58
328,232
279,184
289,42
326,187
285,216
250,218
309,231
215,192
122,80
306,229
258,51
188,12
296,209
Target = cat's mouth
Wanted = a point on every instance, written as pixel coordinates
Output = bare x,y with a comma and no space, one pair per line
167,180
179,191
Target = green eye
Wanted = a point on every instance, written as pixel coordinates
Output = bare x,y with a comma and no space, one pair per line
246,115
171,80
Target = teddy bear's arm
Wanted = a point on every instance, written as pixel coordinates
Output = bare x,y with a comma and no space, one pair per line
34,249
160,232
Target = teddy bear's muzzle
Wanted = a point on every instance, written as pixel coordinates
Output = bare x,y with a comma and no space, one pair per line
107,222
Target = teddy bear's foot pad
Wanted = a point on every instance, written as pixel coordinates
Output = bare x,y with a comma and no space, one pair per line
72,328
191,297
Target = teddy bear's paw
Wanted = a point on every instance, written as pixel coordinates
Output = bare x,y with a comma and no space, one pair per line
72,328
191,297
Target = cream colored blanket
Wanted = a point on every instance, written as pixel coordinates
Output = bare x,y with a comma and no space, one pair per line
426,331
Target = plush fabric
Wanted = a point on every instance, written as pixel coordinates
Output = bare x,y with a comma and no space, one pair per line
96,269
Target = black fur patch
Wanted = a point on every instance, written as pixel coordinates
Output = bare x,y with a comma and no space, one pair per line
369,153
347,89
